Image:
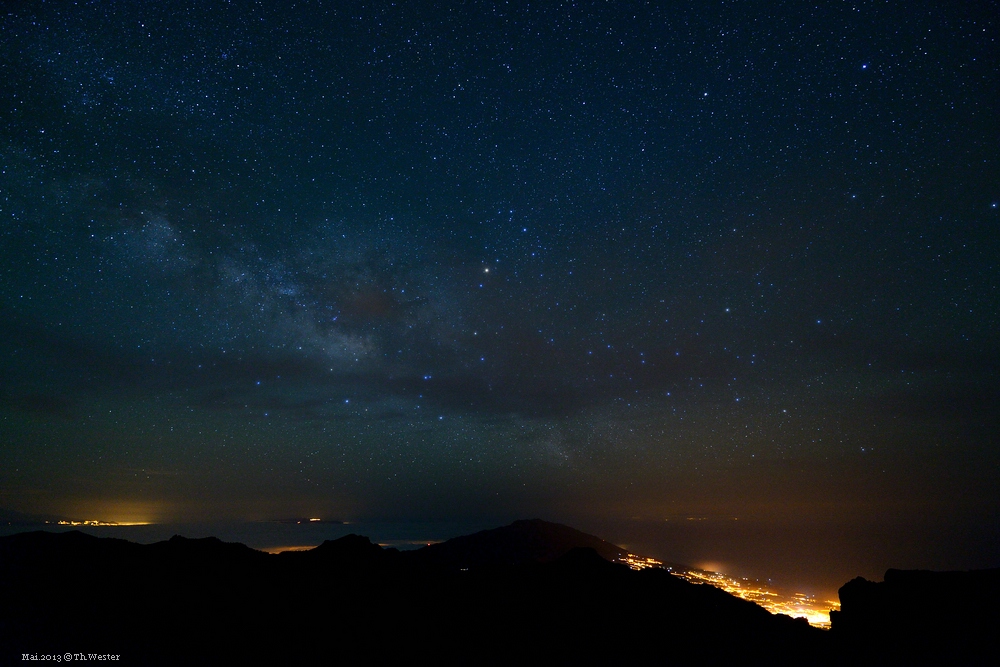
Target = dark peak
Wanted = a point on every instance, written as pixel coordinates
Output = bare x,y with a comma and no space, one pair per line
203,547
202,543
524,541
857,591
348,550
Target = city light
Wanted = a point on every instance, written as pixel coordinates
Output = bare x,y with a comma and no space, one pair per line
796,605
91,522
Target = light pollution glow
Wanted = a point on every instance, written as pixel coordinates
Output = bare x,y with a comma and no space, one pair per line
797,605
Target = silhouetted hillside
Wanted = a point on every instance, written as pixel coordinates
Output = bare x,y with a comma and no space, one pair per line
525,541
348,551
921,617
529,593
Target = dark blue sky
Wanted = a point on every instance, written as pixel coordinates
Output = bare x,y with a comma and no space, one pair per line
594,260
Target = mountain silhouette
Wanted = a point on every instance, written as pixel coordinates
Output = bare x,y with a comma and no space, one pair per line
348,551
521,542
921,617
529,593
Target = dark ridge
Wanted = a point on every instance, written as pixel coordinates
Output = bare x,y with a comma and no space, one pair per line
210,547
350,550
529,593
530,540
72,549
532,592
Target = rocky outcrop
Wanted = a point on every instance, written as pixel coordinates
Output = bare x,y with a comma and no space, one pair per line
921,617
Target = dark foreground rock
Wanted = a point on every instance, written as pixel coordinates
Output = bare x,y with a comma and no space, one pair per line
529,593
921,618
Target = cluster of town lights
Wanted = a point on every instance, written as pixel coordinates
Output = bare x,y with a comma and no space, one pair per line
797,605
89,522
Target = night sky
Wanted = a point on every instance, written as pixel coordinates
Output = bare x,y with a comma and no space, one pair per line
625,265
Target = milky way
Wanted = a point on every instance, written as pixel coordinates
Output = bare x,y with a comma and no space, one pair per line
594,261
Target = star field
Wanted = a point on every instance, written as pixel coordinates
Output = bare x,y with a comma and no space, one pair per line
584,259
